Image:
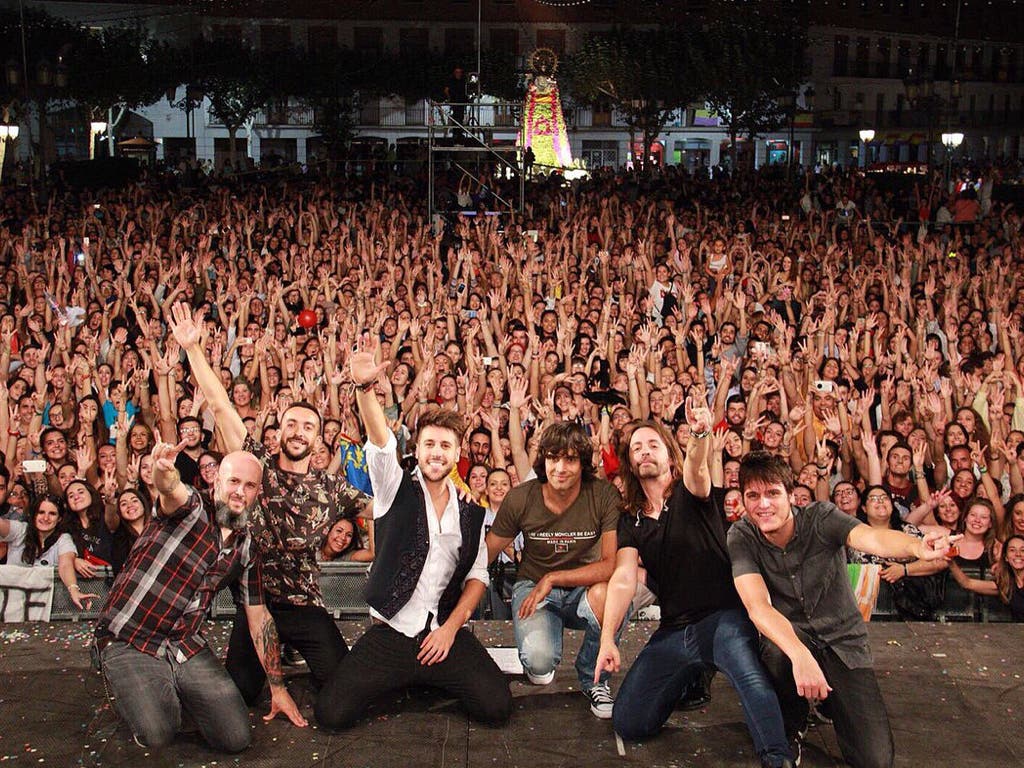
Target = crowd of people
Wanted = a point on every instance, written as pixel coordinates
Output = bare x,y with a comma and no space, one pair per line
868,335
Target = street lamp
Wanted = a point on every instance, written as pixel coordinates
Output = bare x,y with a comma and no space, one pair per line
96,127
867,135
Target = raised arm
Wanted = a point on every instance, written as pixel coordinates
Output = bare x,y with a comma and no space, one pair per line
365,370
186,330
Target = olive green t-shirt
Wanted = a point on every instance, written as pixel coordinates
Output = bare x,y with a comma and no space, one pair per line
558,542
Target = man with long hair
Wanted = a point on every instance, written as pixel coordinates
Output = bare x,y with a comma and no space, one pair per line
671,523
567,518
789,567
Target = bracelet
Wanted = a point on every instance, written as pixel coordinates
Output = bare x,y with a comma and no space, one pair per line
367,386
14,433
700,435
72,586
982,470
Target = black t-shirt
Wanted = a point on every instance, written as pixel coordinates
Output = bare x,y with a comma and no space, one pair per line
685,553
1016,601
187,467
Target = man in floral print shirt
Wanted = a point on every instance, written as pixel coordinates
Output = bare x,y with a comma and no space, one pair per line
294,510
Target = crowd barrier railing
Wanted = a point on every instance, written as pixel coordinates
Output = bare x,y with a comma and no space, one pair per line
343,587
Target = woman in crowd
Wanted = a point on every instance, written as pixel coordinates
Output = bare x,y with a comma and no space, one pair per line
343,543
1008,584
133,511
91,526
40,542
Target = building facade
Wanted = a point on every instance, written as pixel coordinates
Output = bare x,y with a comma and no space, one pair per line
962,70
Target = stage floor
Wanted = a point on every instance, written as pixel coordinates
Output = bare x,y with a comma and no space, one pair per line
953,692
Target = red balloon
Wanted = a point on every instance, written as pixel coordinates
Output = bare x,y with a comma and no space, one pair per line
307,318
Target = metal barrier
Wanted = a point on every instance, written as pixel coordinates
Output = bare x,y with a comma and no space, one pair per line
959,605
343,586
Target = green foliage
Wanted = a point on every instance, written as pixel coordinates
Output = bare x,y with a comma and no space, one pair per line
754,59
646,75
234,79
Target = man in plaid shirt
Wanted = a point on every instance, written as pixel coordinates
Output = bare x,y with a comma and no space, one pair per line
153,655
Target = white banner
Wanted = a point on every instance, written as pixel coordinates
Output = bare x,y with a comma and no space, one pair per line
26,594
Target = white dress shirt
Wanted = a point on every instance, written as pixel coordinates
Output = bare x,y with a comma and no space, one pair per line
445,538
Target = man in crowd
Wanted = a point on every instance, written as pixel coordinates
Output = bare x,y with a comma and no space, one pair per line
153,656
297,506
789,566
428,576
567,518
674,528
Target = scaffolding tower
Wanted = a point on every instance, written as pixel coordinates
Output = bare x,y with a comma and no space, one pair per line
488,133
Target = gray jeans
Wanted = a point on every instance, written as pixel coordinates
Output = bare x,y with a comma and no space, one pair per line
150,693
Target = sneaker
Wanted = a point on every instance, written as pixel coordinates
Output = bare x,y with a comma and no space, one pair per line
541,679
291,658
601,701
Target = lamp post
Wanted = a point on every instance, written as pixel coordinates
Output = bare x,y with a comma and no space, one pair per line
96,127
951,141
867,135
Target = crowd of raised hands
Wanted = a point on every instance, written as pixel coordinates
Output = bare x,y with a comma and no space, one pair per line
870,345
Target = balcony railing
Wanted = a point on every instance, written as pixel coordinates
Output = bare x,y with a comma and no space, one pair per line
292,116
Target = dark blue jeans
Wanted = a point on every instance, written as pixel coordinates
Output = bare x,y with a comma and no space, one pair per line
728,641
150,693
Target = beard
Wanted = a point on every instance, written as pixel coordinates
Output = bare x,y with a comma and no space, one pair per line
291,456
227,518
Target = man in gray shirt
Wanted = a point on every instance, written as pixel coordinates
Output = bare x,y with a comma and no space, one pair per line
789,567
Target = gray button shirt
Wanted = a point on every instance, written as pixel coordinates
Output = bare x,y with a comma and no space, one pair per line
808,580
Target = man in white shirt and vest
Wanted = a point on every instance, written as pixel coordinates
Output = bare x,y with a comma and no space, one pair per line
429,574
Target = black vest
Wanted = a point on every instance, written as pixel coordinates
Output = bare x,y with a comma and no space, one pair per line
402,541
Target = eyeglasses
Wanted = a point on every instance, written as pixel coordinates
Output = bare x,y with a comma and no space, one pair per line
845,491
878,497
190,430
208,465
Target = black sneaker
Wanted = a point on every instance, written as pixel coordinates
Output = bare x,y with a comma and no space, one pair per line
601,701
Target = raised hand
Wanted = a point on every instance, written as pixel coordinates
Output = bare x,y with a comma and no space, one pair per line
185,327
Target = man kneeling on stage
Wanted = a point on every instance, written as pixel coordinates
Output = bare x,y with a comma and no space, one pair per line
429,575
155,660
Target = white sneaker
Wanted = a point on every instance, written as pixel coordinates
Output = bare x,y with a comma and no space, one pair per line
601,701
541,679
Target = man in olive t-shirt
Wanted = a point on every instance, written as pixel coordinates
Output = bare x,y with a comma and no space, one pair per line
568,520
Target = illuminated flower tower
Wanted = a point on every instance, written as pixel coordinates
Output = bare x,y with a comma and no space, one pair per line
544,123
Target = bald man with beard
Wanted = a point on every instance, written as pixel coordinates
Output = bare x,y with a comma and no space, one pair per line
151,650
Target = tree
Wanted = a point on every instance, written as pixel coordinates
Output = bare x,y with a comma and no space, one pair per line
236,80
647,75
47,40
114,70
754,53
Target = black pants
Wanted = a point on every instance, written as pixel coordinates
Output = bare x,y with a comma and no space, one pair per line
308,629
855,704
384,660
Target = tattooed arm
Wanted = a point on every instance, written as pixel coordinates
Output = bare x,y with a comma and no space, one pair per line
268,648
